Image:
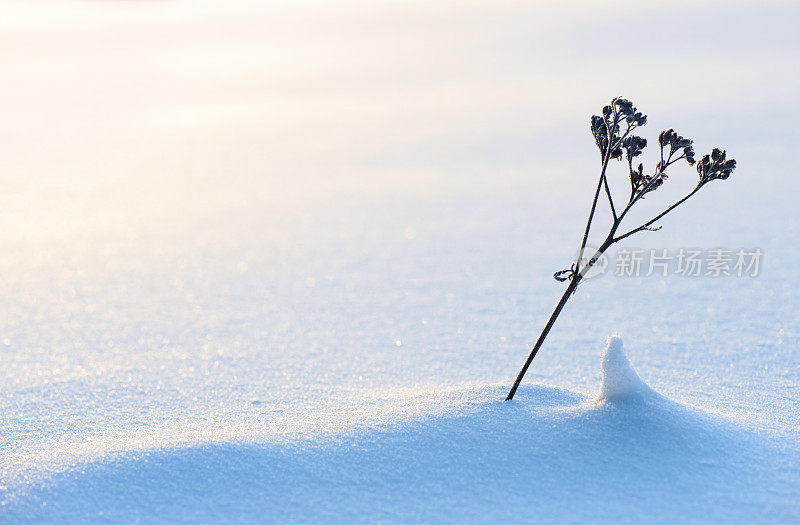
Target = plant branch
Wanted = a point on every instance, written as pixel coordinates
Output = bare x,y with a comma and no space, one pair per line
603,180
711,167
657,217
636,195
594,204
610,200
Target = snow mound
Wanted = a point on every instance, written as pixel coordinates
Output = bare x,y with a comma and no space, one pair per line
620,380
550,456
459,454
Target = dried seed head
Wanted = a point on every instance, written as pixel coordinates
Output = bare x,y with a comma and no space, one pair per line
715,166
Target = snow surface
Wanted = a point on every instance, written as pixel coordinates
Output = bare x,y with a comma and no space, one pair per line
264,261
631,454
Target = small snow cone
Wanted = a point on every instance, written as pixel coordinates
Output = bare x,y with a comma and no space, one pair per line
620,380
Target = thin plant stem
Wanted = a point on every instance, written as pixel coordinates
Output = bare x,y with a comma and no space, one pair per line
712,167
560,306
556,312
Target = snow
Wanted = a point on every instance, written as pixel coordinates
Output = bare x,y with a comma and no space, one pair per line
620,380
550,455
282,261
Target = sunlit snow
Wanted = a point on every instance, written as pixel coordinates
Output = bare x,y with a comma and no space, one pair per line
275,261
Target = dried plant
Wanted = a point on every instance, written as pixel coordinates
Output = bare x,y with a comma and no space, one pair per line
613,134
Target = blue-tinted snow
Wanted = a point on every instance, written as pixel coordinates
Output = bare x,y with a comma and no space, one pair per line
282,261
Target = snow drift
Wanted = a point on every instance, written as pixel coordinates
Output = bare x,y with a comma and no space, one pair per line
620,380
551,454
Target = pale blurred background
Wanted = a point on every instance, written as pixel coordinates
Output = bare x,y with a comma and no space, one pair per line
126,119
212,209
